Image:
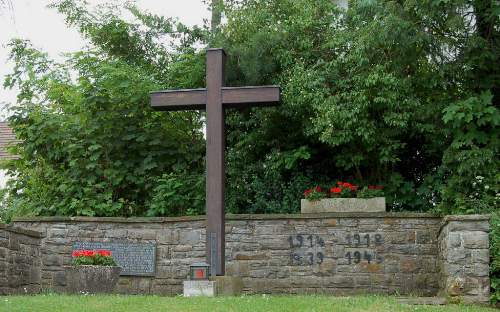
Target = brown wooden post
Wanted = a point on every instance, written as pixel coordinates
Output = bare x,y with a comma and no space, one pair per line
215,161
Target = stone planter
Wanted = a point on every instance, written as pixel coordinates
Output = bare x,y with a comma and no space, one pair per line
376,204
92,279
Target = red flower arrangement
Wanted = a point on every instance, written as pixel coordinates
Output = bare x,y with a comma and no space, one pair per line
343,189
93,257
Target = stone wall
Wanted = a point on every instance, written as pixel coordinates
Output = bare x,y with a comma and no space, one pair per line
19,260
464,258
341,253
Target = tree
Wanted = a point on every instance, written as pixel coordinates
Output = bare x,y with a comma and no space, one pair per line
91,145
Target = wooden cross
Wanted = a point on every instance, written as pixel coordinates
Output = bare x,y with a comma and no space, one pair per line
215,98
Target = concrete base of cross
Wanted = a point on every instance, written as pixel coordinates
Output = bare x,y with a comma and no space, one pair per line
216,286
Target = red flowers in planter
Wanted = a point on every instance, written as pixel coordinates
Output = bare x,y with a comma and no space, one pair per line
93,257
91,253
344,189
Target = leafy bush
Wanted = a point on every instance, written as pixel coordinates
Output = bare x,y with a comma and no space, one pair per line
92,145
366,192
178,195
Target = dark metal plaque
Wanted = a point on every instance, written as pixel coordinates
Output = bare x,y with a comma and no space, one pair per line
136,259
213,252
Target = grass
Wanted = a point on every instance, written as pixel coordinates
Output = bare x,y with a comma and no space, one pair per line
112,303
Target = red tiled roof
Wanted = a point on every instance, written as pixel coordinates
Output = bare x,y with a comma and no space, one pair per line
7,137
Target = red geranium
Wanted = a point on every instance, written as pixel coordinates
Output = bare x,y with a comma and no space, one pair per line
335,190
77,253
93,257
104,253
314,193
91,253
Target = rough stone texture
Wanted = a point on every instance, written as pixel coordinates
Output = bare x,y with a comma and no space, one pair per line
376,204
228,285
336,253
19,260
464,258
91,279
199,288
327,253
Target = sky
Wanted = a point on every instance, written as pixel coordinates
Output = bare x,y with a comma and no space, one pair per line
45,28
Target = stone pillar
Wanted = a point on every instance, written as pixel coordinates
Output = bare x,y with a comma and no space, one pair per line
19,261
464,258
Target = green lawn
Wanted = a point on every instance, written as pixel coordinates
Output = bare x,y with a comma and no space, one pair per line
55,303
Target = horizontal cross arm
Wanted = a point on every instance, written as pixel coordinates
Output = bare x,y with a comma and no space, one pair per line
172,100
232,97
250,96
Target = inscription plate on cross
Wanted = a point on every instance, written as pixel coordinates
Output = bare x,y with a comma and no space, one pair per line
214,99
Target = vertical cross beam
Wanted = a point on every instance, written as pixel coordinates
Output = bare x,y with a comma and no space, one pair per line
215,161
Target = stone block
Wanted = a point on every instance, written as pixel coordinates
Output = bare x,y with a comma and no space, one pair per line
190,237
4,242
61,233
274,243
457,255
475,239
60,278
454,240
464,225
343,281
250,256
141,234
116,233
478,270
182,248
424,237
480,256
228,285
199,288
376,204
238,268
52,260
